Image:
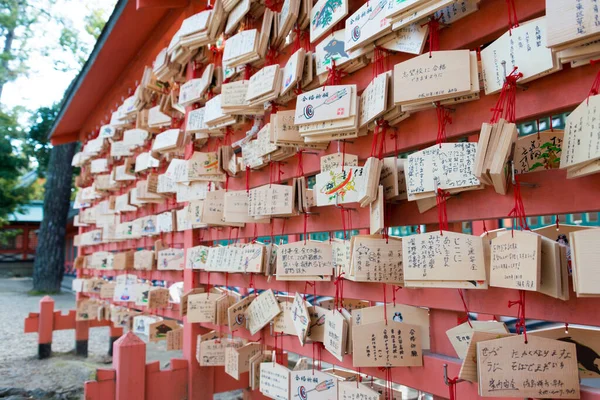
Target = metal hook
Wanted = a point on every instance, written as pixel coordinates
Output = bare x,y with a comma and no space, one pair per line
519,85
441,24
337,205
446,376
449,109
513,174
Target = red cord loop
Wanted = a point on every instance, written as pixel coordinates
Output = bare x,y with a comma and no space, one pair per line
506,104
441,198
520,325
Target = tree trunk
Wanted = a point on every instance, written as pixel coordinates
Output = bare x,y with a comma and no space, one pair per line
49,265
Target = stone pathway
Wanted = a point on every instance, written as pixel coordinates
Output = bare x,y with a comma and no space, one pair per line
62,375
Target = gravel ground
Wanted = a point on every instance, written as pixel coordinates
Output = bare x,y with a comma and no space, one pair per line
63,373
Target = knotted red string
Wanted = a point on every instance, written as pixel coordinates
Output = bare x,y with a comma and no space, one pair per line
251,282
273,5
334,75
452,387
271,56
506,104
513,22
518,210
381,62
396,288
595,85
520,325
301,39
440,199
462,298
557,223
217,54
247,72
443,118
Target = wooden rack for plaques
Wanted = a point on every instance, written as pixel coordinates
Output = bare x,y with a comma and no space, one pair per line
554,194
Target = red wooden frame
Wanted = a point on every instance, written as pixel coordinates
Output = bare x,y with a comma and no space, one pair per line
553,195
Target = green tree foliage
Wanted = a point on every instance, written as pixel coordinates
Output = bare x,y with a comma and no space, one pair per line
36,144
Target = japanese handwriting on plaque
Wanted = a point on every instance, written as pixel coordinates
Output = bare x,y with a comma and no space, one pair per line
460,336
447,166
453,257
212,352
538,152
394,344
262,310
516,260
399,313
237,359
373,259
356,391
540,368
299,258
322,104
336,333
313,385
300,317
274,381
202,307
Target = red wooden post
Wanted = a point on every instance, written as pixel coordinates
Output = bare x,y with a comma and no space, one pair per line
82,334
115,334
129,362
46,325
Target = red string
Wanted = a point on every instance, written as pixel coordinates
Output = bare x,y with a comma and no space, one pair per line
385,303
596,84
434,35
271,56
443,118
207,284
440,199
462,298
247,179
300,167
513,22
557,223
485,228
305,227
279,172
380,61
452,387
334,75
396,288
566,328
342,211
338,299
520,326
518,210
247,72
506,104
251,282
